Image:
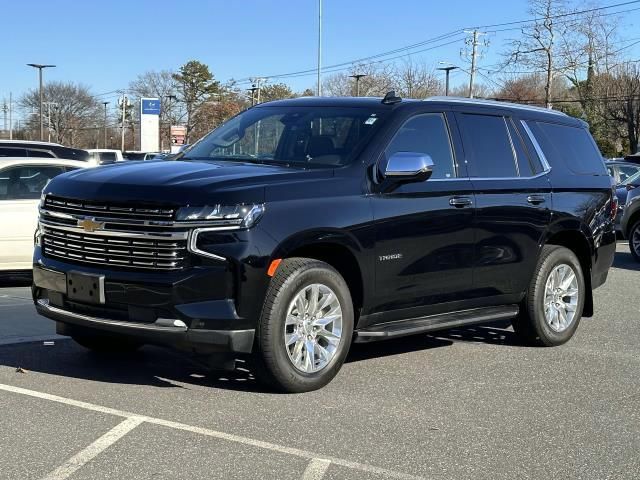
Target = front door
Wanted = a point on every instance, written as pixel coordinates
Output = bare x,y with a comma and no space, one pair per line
424,231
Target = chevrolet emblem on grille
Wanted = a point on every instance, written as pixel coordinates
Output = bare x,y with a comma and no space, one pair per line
90,225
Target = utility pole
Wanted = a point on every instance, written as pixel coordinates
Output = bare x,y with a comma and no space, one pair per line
5,109
105,123
48,104
319,90
253,89
447,71
40,67
474,54
357,76
124,112
10,117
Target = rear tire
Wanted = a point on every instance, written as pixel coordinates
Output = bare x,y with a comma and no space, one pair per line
305,328
551,311
634,241
107,344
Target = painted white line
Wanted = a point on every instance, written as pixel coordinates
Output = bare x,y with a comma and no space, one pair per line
35,338
212,433
316,469
100,445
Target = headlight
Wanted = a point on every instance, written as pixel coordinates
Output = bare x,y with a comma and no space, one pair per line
243,216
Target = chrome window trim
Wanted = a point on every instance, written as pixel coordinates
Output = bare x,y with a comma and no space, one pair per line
536,146
193,241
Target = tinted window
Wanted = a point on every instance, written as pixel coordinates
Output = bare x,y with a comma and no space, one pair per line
70,153
488,146
40,154
573,146
308,136
26,182
426,134
12,152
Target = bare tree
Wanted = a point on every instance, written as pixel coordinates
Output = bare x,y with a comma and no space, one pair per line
413,80
538,47
623,105
74,109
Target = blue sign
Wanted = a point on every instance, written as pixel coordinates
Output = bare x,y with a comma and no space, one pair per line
150,106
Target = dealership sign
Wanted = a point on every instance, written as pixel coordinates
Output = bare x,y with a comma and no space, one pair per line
150,124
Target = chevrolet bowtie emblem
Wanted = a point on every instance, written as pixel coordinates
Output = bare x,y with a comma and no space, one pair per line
90,225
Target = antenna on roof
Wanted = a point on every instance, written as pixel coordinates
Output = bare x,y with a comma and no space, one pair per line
390,98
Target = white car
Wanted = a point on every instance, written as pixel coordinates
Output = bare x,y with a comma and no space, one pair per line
21,184
104,156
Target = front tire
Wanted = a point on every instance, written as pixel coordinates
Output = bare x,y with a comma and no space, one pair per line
305,328
552,309
634,241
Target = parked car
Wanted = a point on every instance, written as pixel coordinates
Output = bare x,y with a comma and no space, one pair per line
104,156
633,158
626,176
344,219
630,223
21,183
621,170
31,149
140,156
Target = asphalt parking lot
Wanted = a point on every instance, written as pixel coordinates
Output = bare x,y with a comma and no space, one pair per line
467,403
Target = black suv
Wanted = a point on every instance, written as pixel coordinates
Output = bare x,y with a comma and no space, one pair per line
302,225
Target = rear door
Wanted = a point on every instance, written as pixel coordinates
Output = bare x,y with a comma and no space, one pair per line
424,238
513,203
20,190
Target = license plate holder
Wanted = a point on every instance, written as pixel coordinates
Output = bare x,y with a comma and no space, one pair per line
85,287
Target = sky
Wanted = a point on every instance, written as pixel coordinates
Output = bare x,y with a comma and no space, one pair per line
105,44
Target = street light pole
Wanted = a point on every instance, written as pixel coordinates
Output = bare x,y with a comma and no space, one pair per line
105,123
40,67
447,71
357,76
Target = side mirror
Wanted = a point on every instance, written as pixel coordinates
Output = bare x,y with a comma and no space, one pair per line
408,167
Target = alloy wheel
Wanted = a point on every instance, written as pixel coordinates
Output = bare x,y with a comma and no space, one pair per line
561,297
313,328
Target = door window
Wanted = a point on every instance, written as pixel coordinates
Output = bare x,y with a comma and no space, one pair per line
626,171
426,134
12,152
488,146
26,182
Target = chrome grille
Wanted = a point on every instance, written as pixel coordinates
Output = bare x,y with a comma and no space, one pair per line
128,251
111,211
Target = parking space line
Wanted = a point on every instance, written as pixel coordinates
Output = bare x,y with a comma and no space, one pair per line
101,444
214,434
316,469
34,339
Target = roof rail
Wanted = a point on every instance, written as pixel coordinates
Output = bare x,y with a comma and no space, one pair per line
493,103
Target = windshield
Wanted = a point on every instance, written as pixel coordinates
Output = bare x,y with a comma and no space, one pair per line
635,178
303,136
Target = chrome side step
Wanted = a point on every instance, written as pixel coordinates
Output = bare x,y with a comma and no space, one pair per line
443,321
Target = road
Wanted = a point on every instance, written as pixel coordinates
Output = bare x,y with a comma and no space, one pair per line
465,403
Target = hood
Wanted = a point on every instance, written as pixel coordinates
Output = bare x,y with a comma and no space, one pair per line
178,182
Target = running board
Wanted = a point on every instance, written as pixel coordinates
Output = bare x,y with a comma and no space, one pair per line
443,321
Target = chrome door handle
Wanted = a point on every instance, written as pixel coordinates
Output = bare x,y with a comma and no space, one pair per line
460,202
535,199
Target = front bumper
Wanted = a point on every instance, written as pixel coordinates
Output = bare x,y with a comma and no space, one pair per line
193,309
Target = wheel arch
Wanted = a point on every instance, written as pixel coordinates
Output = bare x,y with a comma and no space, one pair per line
339,250
577,241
